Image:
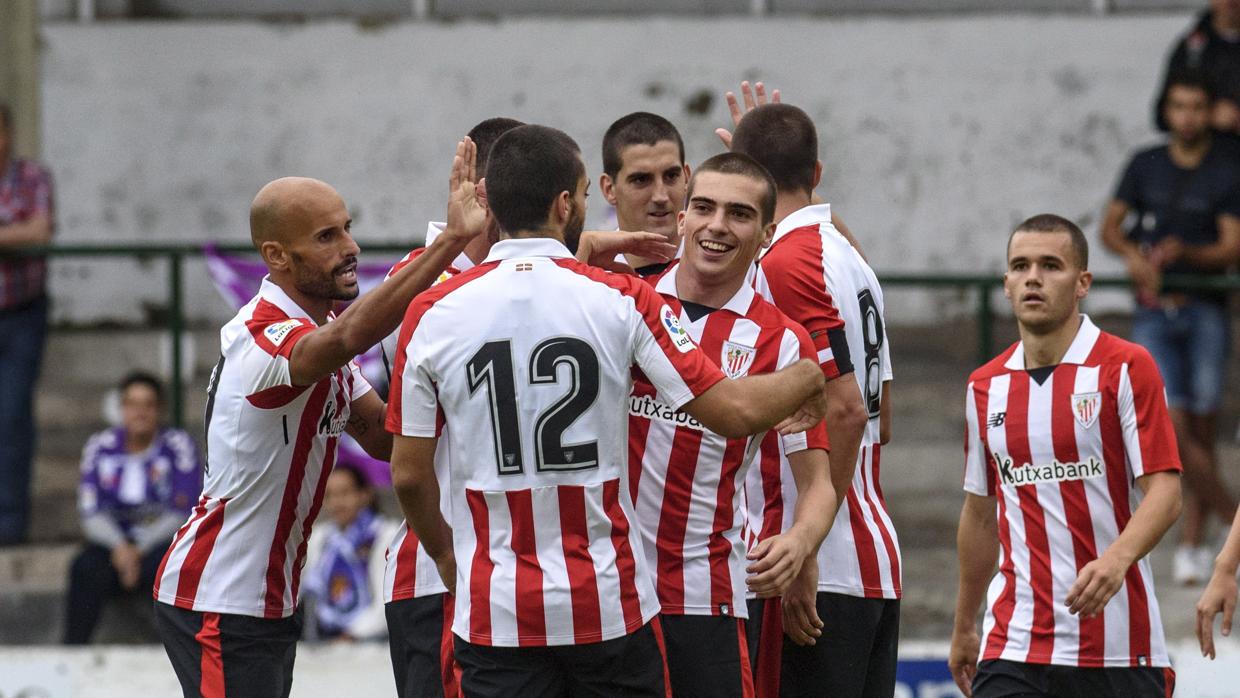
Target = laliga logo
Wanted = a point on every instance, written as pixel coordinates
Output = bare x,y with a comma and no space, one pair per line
671,323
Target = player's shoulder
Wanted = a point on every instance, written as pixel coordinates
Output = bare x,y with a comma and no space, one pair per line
995,367
448,285
404,262
625,285
767,316
1109,348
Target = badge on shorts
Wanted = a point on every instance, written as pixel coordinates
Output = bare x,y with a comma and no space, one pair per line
737,358
1085,408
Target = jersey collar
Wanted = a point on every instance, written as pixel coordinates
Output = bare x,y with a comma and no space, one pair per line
527,247
739,302
1078,352
814,214
462,261
275,295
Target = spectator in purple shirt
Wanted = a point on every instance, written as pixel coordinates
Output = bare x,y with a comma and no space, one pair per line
26,216
139,481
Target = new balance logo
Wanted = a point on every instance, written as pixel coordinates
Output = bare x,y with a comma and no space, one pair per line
1054,471
995,420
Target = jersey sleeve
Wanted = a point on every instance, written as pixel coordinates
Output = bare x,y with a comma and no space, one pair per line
413,399
798,286
264,353
661,347
1149,439
361,386
977,476
796,345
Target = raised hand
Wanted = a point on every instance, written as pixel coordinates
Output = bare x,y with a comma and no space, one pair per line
599,248
754,97
467,215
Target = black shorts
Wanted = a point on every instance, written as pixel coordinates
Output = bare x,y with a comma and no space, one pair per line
1000,678
707,656
221,654
420,638
632,665
855,657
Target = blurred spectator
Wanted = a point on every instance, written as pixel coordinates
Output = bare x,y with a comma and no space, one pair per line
139,481
1177,209
25,219
1212,50
346,560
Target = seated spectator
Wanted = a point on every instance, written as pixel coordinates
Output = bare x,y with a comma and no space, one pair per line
345,563
139,481
1177,210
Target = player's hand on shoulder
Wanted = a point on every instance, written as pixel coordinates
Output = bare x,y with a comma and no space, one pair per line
754,97
962,658
599,248
1218,597
467,211
800,606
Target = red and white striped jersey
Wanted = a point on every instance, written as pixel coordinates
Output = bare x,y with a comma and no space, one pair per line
814,274
526,359
1062,454
411,573
686,480
270,447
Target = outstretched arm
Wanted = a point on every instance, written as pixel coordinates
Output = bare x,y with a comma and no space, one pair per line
754,404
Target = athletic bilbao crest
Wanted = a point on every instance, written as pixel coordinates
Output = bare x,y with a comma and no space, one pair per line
1085,408
737,358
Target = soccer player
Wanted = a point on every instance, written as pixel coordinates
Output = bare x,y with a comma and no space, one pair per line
416,601
534,350
842,615
687,479
644,177
1067,430
283,392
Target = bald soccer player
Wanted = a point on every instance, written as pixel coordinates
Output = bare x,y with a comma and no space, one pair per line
283,392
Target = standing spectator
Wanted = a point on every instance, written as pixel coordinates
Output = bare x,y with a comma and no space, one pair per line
25,219
1211,49
347,558
139,481
1183,199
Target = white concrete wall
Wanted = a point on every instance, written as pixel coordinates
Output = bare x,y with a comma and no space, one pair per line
938,133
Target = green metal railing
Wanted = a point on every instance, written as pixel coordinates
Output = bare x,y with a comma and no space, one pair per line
982,286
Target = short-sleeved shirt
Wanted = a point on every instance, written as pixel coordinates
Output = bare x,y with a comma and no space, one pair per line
25,192
686,480
815,275
1170,201
411,573
1061,448
134,489
527,359
270,448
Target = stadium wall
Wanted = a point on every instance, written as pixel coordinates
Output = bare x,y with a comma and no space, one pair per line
939,133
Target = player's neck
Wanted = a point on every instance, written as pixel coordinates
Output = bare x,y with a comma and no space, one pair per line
317,308
1048,349
1189,154
694,289
478,248
549,233
788,203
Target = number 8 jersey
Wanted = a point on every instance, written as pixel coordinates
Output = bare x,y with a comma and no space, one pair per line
527,357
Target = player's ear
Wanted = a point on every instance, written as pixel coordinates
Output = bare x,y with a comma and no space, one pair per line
274,254
607,186
1083,283
1007,290
563,207
817,173
768,233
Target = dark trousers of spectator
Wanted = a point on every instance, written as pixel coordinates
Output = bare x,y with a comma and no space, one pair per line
93,581
22,332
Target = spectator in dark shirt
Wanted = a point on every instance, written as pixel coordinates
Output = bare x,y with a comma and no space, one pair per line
25,219
139,481
1177,209
1212,50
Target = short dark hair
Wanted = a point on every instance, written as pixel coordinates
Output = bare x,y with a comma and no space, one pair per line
638,128
486,133
360,480
783,139
142,378
741,164
529,167
1051,223
1190,79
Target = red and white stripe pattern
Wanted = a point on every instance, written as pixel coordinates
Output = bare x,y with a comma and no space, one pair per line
815,276
410,572
1062,457
546,555
270,448
687,480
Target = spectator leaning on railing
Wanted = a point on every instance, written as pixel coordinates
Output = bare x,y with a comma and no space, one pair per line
139,481
25,219
1177,210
